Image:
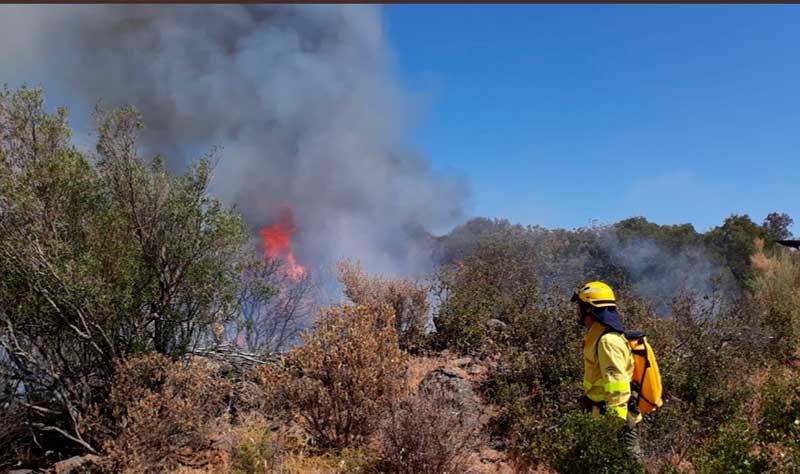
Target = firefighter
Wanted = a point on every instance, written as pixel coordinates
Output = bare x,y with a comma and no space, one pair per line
607,362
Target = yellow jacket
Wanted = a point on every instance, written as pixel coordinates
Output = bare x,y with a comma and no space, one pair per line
607,370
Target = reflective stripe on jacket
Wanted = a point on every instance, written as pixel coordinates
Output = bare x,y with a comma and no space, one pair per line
607,369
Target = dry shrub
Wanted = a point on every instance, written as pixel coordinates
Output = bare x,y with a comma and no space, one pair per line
344,461
408,299
268,395
15,438
349,368
164,414
430,432
775,292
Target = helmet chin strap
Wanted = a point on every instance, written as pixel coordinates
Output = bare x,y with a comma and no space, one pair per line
584,313
581,323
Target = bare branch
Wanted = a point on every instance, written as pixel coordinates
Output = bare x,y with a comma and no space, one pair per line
80,441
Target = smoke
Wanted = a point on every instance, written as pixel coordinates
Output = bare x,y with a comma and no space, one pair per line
301,98
659,273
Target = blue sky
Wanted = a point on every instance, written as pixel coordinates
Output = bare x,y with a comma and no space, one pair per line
558,114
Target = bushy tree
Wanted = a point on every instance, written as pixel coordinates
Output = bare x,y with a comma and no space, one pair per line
490,288
100,260
776,226
734,241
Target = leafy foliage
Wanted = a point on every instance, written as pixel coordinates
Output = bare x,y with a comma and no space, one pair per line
100,261
579,444
495,283
775,293
735,240
776,226
730,452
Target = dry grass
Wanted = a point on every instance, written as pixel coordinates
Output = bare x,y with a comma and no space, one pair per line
777,278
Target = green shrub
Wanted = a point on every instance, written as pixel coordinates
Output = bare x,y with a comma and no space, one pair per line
489,289
257,453
780,409
103,258
537,378
701,361
583,444
779,421
730,452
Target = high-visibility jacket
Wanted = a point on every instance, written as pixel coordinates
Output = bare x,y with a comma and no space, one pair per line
607,370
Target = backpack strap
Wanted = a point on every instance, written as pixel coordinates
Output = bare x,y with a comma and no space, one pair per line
605,331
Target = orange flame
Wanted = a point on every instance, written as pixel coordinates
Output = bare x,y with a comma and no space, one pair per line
278,242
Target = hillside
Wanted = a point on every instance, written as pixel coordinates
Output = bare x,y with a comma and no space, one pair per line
142,332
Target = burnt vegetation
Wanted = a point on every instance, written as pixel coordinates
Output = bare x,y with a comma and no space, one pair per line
141,332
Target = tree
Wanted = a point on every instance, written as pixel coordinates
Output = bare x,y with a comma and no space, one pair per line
735,242
497,281
100,261
274,307
776,226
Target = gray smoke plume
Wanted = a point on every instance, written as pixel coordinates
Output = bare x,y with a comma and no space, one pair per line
301,98
660,274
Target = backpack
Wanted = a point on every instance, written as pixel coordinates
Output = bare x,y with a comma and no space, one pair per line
646,377
646,380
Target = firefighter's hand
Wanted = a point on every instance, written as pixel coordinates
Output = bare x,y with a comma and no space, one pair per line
585,403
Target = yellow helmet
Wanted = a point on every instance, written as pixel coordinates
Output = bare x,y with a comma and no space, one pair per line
597,294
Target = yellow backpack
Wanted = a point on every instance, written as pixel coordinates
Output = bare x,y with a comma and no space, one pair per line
646,377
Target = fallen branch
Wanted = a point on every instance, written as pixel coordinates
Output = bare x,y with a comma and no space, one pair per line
43,427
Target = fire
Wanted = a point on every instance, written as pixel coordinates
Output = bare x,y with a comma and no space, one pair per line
278,242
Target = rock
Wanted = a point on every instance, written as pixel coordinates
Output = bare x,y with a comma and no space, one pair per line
446,372
462,361
474,370
457,387
76,464
496,324
491,456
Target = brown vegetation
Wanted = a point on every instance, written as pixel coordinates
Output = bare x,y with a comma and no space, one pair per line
119,279
430,432
163,414
408,299
346,372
